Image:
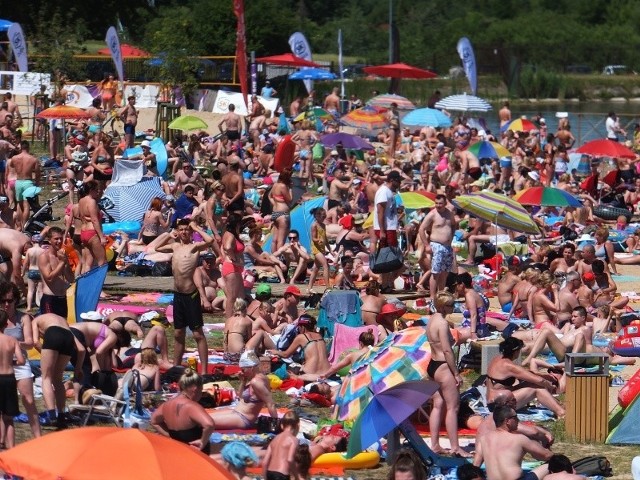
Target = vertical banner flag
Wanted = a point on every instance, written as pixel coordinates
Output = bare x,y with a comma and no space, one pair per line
113,44
465,50
241,48
340,66
18,45
300,48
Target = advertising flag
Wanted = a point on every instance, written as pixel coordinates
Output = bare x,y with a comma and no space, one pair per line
465,50
18,45
113,43
300,48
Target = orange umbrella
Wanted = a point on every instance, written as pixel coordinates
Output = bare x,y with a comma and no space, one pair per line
108,452
63,111
128,51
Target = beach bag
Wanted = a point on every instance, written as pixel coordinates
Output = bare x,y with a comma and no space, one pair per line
593,466
138,416
286,337
268,425
385,260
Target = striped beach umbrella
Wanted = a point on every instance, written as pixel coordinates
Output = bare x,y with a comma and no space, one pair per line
132,201
486,149
547,197
499,209
367,118
426,117
464,103
385,100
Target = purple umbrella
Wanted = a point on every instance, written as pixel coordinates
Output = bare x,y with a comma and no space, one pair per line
386,411
348,141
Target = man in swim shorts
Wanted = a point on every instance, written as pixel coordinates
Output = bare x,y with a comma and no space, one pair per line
27,169
129,115
187,305
9,348
56,275
233,124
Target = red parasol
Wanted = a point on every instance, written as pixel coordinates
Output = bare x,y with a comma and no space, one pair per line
128,51
399,70
63,112
287,60
590,184
606,148
611,178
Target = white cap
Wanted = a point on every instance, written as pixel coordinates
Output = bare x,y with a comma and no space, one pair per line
334,152
92,316
148,316
562,114
542,120
145,143
534,176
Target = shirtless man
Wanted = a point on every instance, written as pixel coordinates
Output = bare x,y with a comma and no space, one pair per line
279,462
332,103
27,169
568,298
338,188
7,216
487,232
129,115
6,147
233,123
233,182
148,159
10,356
565,138
186,176
206,279
588,256
560,468
372,303
504,115
469,165
286,309
258,123
294,252
565,263
503,449
436,232
56,275
12,244
507,284
187,305
13,109
32,272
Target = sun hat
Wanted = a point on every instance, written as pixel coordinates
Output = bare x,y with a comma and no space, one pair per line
359,218
346,221
334,153
248,359
534,176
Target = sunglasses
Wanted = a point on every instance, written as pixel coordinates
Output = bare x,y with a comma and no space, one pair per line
7,300
293,238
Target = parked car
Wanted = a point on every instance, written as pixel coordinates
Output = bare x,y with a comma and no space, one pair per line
355,71
617,70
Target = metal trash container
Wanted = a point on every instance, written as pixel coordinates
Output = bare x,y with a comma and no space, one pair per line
587,397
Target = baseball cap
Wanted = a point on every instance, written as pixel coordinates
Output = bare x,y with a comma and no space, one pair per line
334,153
588,277
305,319
293,290
145,143
393,175
263,290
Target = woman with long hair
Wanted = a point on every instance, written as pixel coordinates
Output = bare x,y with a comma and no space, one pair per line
154,222
232,262
319,247
91,235
280,198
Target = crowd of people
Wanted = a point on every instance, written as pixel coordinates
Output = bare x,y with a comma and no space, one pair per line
223,194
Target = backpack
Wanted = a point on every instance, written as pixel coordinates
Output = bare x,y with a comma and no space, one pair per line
287,336
593,465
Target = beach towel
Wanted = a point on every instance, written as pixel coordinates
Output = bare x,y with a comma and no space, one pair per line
345,337
339,307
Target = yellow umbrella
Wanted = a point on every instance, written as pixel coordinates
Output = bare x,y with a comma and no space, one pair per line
409,200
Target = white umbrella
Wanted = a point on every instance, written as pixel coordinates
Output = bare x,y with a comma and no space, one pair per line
464,103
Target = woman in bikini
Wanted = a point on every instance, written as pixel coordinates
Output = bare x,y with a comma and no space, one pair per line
182,417
102,158
154,222
91,235
108,88
146,365
232,262
258,259
280,197
442,369
345,279
372,303
238,333
254,393
319,247
504,374
214,212
545,303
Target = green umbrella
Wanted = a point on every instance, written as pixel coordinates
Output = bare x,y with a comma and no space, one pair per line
188,123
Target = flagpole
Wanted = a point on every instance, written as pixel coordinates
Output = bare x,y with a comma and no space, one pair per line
390,31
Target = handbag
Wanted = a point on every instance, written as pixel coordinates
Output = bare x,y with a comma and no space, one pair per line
266,424
385,260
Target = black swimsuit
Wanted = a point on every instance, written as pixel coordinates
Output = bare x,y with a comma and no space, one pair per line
433,366
189,435
505,382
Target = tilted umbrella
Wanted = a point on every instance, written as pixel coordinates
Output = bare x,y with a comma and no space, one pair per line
464,103
84,454
352,142
312,74
400,357
313,114
415,200
520,125
426,117
287,60
499,209
132,201
547,197
399,70
385,100
367,118
386,411
65,112
485,149
188,123
606,148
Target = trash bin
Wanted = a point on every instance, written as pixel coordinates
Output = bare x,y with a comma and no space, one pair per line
587,396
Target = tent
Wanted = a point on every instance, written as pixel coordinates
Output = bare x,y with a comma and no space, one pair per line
627,433
301,220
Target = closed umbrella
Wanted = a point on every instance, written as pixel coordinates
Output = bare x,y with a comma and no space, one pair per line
312,74
385,100
188,123
426,117
351,142
547,197
499,209
464,103
606,148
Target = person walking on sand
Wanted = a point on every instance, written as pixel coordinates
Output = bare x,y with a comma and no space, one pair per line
187,305
279,462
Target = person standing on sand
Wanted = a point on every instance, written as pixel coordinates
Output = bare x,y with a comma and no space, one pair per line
233,124
129,115
187,304
504,115
56,275
27,169
9,349
279,462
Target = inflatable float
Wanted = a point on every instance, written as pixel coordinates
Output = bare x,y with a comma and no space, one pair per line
607,212
336,459
630,391
285,153
131,228
628,342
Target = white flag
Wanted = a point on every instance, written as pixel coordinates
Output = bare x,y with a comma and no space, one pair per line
18,45
300,48
465,50
113,43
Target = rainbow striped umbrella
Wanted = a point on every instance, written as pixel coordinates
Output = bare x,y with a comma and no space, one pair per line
547,197
400,357
313,113
521,125
385,100
499,209
486,149
367,118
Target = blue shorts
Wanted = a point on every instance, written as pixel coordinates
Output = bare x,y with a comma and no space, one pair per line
506,162
506,308
130,129
3,166
441,258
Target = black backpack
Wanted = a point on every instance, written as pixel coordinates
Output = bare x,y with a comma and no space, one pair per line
593,465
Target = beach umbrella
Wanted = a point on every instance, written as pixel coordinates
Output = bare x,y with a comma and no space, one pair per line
314,113
65,112
547,197
426,117
301,220
464,103
402,356
351,142
5,24
606,148
287,60
486,149
312,74
399,70
386,411
128,51
132,201
520,125
108,452
367,118
499,209
430,195
386,99
188,123
414,200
